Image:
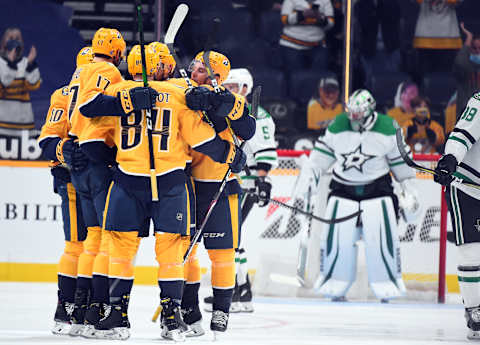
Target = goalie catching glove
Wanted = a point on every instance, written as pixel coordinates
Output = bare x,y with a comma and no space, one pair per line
70,154
446,166
263,187
137,98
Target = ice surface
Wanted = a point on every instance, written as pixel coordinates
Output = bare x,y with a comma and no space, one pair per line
26,312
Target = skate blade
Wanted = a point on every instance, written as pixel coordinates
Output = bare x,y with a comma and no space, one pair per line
247,307
196,330
208,307
218,335
89,332
473,335
61,328
176,335
118,333
76,330
235,307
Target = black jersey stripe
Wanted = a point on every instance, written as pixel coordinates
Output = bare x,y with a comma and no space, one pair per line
467,135
470,169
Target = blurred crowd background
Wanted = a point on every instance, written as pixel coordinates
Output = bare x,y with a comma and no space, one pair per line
419,58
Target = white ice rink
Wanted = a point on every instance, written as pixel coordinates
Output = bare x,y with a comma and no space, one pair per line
26,312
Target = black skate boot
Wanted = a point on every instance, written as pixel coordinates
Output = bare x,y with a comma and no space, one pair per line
115,324
172,325
219,321
78,314
245,296
193,318
94,313
472,315
62,317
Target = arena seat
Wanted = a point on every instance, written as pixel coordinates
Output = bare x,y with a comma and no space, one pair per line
274,85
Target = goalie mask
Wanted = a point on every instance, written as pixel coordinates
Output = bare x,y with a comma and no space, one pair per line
361,105
240,77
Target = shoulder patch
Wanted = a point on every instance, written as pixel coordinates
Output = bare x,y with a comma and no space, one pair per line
262,113
65,91
477,96
340,124
384,125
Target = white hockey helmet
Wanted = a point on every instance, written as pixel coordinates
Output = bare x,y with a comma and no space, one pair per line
360,105
241,77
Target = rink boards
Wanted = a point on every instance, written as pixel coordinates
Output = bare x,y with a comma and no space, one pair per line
32,235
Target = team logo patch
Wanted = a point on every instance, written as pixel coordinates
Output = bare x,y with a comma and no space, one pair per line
355,159
179,216
225,62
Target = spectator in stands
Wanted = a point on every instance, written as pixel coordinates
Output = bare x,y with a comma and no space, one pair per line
323,107
466,69
370,15
402,110
18,76
423,134
305,23
437,37
451,114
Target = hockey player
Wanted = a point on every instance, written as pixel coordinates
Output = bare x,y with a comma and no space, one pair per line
228,113
86,92
55,129
361,146
461,160
262,156
129,200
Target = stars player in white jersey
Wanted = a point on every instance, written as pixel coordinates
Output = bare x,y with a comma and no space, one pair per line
360,144
461,159
261,157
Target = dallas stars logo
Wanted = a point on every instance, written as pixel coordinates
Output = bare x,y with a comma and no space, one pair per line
355,159
477,226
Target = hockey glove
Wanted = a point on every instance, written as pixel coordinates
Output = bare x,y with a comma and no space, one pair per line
137,98
263,188
70,153
239,160
199,98
445,168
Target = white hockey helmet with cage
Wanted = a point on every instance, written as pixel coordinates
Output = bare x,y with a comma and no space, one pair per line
241,77
360,105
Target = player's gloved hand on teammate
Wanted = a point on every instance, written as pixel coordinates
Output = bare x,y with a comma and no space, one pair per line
239,160
263,188
199,98
73,156
222,103
445,168
137,98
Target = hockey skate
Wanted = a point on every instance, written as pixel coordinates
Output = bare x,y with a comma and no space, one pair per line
94,313
219,321
193,318
208,304
115,324
242,298
78,313
171,324
62,317
472,315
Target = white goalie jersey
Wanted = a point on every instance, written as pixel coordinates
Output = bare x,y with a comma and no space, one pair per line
359,158
260,149
462,143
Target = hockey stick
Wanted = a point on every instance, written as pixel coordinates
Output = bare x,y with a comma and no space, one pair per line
412,164
309,215
148,112
214,201
177,20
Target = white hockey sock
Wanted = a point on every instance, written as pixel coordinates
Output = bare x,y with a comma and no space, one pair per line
242,270
469,281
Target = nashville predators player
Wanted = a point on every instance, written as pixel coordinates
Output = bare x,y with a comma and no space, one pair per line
228,113
129,201
55,129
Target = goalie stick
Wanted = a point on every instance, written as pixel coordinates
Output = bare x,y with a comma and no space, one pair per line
309,215
412,164
148,112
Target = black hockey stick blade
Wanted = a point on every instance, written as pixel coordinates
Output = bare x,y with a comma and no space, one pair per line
309,215
406,158
256,100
